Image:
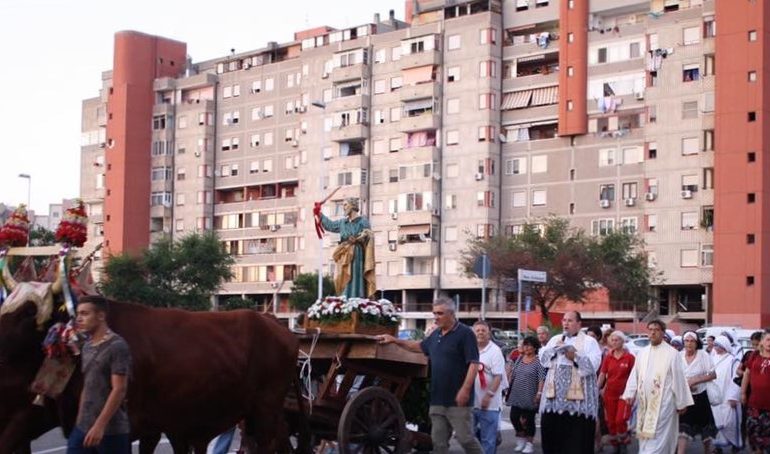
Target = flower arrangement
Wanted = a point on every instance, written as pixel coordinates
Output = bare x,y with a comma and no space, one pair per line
73,226
334,309
15,231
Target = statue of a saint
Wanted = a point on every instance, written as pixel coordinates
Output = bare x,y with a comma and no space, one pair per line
354,255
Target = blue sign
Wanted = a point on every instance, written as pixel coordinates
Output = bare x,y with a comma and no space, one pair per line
528,303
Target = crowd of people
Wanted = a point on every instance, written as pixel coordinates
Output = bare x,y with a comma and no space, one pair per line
590,392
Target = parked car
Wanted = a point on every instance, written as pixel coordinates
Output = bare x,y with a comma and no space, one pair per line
506,340
409,334
635,344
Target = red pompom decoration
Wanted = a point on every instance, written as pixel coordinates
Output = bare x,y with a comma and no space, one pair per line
15,231
73,227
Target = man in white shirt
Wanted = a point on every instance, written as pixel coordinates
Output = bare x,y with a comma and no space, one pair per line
489,385
570,396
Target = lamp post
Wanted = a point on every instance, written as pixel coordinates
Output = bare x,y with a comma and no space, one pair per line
28,177
321,105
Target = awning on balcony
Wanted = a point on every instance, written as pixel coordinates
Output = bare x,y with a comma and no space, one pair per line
537,57
418,229
545,96
414,76
417,104
516,100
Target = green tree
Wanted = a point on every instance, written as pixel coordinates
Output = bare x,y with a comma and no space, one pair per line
41,236
183,273
236,302
575,262
305,290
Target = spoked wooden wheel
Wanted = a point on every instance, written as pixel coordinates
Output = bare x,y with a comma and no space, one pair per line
372,422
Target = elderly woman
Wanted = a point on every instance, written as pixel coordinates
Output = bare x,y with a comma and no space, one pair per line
613,374
698,370
526,385
727,415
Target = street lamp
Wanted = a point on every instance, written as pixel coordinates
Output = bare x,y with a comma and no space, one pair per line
28,177
321,105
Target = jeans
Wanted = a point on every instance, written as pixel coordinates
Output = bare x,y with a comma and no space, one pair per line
223,442
111,444
485,425
444,419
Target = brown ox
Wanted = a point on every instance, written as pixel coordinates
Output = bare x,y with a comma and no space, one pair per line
194,374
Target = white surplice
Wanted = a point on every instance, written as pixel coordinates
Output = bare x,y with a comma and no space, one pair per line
674,395
727,417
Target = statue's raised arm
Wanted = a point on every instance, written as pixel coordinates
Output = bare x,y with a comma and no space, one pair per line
354,254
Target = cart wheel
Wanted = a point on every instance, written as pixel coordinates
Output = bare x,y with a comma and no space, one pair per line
372,422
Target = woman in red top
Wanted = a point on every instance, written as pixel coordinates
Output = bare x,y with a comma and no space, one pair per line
758,402
614,372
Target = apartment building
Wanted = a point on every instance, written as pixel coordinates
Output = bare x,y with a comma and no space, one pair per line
470,118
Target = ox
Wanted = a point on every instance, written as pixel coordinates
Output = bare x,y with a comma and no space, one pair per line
194,374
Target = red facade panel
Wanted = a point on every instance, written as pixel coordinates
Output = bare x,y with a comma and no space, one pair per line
573,68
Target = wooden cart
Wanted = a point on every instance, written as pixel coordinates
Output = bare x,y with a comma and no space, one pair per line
358,385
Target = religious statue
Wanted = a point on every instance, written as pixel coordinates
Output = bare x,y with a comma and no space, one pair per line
354,255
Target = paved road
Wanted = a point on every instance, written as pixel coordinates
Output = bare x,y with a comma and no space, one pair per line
54,443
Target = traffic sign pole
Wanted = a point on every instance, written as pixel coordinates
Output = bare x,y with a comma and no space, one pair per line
484,286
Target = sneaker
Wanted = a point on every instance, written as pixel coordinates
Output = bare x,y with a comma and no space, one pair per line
520,443
528,448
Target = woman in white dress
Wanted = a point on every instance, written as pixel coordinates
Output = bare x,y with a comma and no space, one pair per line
727,415
698,419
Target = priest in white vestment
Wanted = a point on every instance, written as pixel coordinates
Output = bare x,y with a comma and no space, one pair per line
657,381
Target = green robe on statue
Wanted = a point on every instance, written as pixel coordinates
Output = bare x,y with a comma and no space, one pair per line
356,287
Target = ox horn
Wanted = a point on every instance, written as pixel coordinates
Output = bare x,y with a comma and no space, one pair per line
56,287
7,277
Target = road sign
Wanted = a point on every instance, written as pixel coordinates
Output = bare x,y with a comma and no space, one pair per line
532,276
482,266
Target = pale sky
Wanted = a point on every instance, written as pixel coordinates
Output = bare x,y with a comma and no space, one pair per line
52,54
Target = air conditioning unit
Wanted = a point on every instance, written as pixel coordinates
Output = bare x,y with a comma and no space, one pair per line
686,194
639,95
436,212
325,75
394,216
479,176
392,246
294,143
302,109
604,203
630,202
246,65
274,227
650,196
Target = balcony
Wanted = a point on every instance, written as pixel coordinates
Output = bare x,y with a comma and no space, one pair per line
350,132
414,217
419,91
417,281
418,249
520,50
164,84
351,72
517,116
426,121
422,154
163,109
349,103
428,57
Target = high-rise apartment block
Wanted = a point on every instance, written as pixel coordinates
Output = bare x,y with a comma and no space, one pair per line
469,118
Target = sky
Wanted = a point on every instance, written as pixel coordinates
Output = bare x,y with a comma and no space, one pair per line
54,51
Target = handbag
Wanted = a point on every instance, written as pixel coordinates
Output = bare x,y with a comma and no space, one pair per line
714,393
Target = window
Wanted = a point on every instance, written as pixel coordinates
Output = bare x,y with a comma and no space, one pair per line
487,68
450,234
159,122
254,167
452,170
540,164
652,150
268,138
633,155
395,53
690,72
486,133
450,266
709,65
607,192
709,27
539,197
752,76
379,86
395,83
630,191
607,157
488,36
395,114
453,42
708,140
601,56
379,56
395,144
602,227
256,86
629,225
452,137
752,117
708,178
689,145
634,50
751,156
689,110
688,258
750,238
749,280
486,101
180,199
254,142
516,166
690,182
180,174
519,199
691,35
689,220
453,106
453,74
752,35
485,199
707,255
269,84
450,201
651,221
751,197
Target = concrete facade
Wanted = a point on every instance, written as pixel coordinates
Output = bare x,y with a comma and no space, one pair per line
469,119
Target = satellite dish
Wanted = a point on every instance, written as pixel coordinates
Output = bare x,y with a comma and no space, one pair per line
503,139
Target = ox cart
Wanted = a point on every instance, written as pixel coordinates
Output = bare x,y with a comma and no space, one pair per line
352,392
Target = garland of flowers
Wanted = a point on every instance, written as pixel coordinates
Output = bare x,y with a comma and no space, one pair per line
338,308
73,226
15,231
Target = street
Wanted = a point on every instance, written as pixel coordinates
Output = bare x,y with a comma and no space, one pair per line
54,443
